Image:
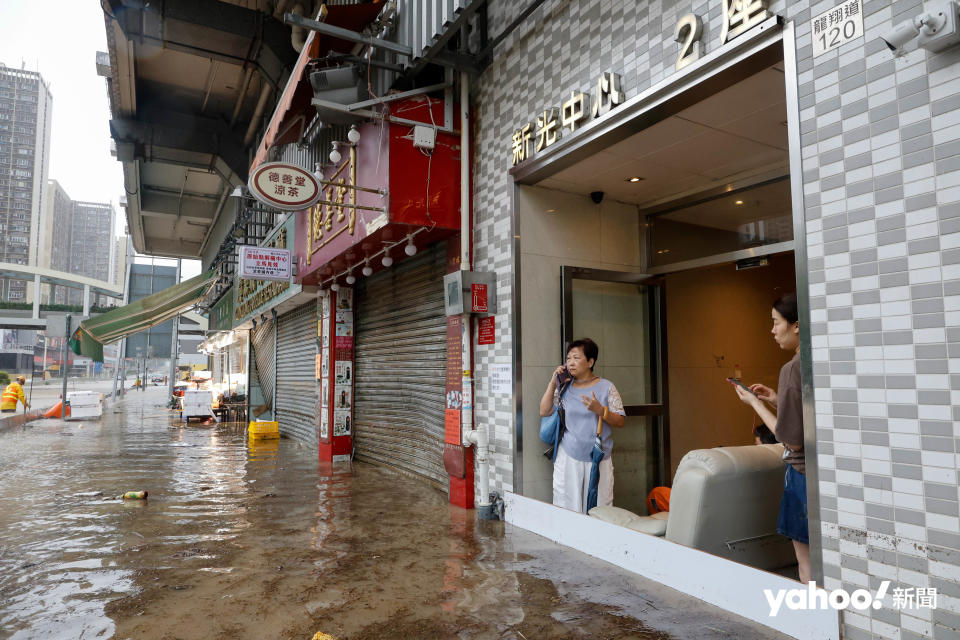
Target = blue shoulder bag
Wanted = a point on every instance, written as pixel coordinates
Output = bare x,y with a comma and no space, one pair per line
552,428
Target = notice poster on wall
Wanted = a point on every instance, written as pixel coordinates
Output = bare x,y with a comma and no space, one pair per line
345,300
342,397
501,379
345,330
325,393
344,317
486,330
324,425
344,372
325,340
341,422
344,347
325,364
316,366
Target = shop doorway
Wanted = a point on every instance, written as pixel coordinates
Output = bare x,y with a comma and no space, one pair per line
671,242
623,312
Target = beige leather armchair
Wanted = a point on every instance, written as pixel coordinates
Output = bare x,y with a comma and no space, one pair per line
724,501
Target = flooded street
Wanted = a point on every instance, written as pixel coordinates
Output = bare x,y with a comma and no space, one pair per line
248,540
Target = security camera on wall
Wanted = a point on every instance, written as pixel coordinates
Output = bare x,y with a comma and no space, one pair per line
596,196
936,29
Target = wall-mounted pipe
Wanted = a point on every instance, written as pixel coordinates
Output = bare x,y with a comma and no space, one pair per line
298,35
257,114
472,434
247,76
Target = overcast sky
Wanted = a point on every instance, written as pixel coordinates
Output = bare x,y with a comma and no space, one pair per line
60,39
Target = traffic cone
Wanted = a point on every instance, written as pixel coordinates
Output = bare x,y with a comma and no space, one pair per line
56,411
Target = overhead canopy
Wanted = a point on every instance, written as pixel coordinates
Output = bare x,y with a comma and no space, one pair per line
92,334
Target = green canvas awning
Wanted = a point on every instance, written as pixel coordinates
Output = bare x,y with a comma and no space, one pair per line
92,334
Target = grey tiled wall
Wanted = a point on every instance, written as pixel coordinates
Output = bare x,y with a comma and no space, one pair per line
881,171
881,181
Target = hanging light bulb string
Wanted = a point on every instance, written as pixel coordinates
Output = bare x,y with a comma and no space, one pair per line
408,240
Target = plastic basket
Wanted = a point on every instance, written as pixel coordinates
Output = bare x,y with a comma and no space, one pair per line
264,429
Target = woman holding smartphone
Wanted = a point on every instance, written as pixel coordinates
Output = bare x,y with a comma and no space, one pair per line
587,398
787,426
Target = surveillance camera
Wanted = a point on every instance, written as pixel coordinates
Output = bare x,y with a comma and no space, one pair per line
596,196
900,35
936,29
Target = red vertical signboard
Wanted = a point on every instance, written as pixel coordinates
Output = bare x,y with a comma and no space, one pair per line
453,397
335,373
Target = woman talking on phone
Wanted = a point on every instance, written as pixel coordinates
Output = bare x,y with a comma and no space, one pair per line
787,426
587,398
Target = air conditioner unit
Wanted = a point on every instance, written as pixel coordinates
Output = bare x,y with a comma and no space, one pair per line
339,85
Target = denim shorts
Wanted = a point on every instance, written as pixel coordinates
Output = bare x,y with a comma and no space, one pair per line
792,521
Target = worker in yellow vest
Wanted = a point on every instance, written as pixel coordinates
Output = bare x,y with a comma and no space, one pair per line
13,393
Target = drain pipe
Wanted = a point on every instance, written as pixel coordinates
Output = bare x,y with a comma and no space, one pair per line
298,35
471,436
257,113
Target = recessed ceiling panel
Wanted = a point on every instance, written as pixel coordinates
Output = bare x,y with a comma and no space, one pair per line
735,134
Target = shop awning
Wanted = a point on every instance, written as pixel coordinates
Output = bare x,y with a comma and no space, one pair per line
92,334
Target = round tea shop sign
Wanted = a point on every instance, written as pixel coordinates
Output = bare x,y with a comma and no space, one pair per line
284,186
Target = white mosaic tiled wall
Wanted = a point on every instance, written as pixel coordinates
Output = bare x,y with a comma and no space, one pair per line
881,178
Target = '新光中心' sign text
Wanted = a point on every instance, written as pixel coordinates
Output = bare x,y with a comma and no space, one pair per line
738,17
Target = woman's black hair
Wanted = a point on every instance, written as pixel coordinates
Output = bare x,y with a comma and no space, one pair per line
786,306
590,349
763,432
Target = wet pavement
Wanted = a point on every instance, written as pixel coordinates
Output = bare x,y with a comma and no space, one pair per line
252,540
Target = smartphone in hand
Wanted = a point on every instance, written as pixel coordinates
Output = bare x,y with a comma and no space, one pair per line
563,377
739,383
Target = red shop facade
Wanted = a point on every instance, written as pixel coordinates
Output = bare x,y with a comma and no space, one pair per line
377,244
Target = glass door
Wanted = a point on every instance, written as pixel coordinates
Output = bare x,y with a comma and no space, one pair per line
623,313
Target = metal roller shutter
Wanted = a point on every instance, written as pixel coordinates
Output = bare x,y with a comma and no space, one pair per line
263,358
296,375
238,356
401,365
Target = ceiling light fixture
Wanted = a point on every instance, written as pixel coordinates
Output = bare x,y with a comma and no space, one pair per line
634,179
367,269
335,154
353,135
334,286
387,260
410,249
738,202
350,277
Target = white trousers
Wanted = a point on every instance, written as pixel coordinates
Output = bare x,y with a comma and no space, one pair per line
571,481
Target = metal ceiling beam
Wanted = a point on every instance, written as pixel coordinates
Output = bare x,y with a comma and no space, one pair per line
198,27
172,247
397,96
145,137
156,202
346,34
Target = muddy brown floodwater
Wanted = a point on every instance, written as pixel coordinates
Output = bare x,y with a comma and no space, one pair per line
256,540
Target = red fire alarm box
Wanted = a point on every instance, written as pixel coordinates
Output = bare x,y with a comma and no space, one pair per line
470,292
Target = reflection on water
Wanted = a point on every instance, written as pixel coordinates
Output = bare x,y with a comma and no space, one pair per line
68,546
253,539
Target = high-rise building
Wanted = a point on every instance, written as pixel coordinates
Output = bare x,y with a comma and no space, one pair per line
25,112
81,240
120,253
